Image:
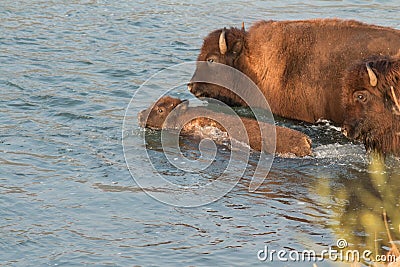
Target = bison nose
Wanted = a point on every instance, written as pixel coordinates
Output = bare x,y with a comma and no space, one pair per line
345,130
190,86
194,89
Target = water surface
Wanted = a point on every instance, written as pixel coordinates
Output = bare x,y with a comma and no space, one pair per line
68,71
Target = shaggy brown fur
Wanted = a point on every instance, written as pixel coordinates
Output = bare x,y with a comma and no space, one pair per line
297,65
288,141
373,112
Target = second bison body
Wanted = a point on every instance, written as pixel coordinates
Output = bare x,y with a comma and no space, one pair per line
298,65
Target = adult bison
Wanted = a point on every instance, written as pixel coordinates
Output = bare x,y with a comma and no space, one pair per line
297,65
371,91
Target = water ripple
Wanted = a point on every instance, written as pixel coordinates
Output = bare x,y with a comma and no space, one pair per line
69,70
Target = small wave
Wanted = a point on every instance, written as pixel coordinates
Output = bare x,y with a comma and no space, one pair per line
22,104
72,116
339,151
329,125
14,85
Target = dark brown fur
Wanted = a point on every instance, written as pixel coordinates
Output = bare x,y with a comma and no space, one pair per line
288,141
371,113
297,65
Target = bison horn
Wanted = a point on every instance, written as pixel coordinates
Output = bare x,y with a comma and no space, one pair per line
372,76
222,43
396,102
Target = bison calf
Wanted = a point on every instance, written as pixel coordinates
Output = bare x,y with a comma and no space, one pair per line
197,121
371,91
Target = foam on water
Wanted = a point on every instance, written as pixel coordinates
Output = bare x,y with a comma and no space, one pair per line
339,151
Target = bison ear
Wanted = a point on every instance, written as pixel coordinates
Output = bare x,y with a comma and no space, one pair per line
237,47
183,106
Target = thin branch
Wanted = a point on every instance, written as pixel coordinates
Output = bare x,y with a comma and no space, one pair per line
394,247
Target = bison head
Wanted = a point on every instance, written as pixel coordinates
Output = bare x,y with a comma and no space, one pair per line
371,91
224,46
155,116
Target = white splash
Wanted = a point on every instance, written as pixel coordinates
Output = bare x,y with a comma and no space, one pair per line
337,151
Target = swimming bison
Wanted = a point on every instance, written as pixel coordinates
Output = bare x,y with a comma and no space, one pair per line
174,114
298,65
371,91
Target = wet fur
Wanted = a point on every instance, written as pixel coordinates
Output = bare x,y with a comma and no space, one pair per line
288,141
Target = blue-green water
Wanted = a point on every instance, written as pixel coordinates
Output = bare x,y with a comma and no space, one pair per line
68,70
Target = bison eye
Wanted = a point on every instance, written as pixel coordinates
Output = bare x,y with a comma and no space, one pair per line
361,96
160,110
210,60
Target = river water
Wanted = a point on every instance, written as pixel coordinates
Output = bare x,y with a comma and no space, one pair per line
68,70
